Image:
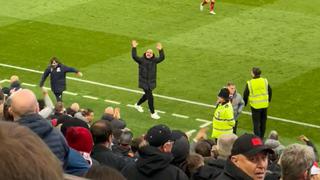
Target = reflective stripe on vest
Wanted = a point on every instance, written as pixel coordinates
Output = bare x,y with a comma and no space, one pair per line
259,96
223,120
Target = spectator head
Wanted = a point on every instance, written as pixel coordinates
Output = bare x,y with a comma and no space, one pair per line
224,95
80,139
125,138
14,78
2,96
194,162
101,132
250,155
72,122
103,173
296,162
54,62
88,114
25,156
109,111
160,136
231,87
273,135
136,143
255,72
75,107
203,147
23,102
7,116
59,108
181,147
224,145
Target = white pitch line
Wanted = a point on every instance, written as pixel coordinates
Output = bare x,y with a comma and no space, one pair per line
70,93
158,111
180,116
202,120
5,80
91,97
27,84
161,96
110,101
189,133
205,124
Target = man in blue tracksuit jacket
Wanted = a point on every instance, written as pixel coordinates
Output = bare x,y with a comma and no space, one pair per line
57,73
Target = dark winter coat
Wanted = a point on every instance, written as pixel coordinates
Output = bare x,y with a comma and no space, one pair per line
217,164
153,164
106,157
232,172
52,137
205,173
147,69
57,77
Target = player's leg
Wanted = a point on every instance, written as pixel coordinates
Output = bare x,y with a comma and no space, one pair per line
212,2
202,4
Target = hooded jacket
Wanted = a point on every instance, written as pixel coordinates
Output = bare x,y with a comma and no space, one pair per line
147,69
52,137
153,164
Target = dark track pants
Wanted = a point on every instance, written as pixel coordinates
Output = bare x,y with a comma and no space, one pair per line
147,96
259,119
58,96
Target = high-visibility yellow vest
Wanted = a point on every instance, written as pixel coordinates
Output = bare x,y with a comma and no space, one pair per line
223,120
259,95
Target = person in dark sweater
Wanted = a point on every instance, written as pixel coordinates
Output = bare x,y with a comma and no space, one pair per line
102,137
147,75
57,72
155,158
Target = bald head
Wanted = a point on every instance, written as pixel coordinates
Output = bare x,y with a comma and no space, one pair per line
23,102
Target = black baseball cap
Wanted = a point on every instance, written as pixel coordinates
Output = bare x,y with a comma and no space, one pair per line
158,135
249,145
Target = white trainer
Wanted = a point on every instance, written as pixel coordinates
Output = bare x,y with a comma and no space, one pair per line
155,116
138,108
201,7
212,12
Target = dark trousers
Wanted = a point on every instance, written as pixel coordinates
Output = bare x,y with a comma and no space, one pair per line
58,96
147,96
235,127
259,119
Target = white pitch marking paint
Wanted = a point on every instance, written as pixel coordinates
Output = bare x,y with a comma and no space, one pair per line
91,97
180,116
161,96
110,101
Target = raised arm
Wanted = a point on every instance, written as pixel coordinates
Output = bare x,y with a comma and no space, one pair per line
134,45
44,76
161,53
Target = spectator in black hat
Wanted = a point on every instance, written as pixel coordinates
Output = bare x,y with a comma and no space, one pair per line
248,159
154,160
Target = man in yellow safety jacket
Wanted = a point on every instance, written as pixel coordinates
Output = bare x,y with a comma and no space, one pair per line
223,120
258,92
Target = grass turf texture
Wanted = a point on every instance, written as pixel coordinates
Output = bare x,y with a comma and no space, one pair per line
203,52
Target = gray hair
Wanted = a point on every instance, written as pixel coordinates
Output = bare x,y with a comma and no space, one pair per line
295,160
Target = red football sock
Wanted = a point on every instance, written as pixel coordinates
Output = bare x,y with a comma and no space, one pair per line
211,6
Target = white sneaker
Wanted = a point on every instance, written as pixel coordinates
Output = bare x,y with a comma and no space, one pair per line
201,7
155,116
138,108
212,12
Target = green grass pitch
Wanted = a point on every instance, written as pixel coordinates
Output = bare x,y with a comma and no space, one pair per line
203,52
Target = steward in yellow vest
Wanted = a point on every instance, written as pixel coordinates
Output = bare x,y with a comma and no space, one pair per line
258,93
223,120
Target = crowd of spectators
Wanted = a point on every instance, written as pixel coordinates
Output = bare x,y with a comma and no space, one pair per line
43,140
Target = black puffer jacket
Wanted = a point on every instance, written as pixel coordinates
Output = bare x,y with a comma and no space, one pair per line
52,137
147,69
153,164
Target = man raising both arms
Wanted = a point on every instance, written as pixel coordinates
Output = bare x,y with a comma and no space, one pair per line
147,75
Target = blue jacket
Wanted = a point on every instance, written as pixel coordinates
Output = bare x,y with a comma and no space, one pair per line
77,165
52,137
57,77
